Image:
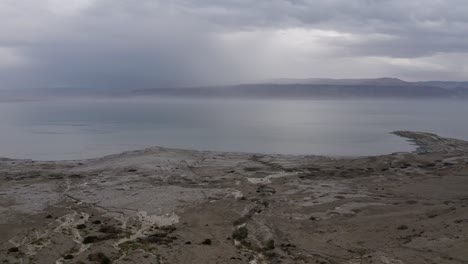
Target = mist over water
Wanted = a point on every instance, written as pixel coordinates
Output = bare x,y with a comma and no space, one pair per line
77,129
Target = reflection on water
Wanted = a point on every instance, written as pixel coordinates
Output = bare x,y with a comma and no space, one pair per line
93,128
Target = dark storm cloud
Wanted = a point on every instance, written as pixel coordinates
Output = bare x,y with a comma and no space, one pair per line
182,42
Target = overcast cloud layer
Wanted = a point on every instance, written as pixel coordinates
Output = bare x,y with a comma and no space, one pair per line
153,43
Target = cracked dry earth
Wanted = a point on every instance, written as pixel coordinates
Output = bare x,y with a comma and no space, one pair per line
178,206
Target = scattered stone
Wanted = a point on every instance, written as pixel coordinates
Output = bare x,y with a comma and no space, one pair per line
270,244
402,227
169,229
13,250
97,222
287,245
160,238
432,214
49,216
99,258
264,189
68,257
206,242
108,229
90,239
240,233
81,226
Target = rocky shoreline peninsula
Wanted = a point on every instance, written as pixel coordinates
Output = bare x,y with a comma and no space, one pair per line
163,205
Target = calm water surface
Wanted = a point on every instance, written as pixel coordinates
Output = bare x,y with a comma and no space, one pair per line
75,129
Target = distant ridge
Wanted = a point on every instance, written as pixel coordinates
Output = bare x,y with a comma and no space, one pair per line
384,81
376,81
324,88
313,88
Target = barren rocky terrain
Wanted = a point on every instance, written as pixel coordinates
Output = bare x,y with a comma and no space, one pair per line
180,206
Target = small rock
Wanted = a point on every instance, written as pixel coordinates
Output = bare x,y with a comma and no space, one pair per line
99,258
240,233
110,230
90,239
68,257
270,244
206,242
13,250
82,226
402,227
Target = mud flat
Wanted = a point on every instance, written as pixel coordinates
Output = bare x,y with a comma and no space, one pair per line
179,206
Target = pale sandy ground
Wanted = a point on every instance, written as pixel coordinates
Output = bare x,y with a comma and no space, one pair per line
179,206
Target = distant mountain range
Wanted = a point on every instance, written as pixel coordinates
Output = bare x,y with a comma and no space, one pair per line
324,88
377,82
276,88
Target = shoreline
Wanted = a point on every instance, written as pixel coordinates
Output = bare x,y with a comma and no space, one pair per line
160,205
410,141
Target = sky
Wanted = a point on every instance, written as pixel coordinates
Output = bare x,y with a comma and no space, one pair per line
163,43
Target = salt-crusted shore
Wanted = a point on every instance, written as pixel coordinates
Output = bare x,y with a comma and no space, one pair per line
163,205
